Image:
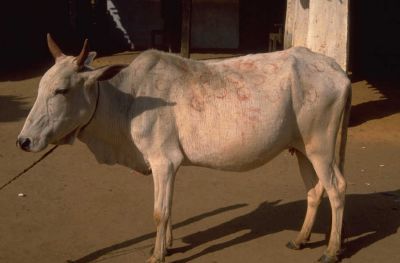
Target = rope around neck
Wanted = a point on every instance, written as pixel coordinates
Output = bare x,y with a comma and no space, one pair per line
52,149
95,107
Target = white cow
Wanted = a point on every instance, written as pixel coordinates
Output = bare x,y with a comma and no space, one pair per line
163,111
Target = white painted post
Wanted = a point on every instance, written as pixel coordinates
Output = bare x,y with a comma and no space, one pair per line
320,25
328,29
296,25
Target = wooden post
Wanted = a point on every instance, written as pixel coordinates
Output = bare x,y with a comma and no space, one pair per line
186,26
322,26
296,26
328,29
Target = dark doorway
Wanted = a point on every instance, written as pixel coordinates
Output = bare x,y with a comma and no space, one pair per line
257,19
374,35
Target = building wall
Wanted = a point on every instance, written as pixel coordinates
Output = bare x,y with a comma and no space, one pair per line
215,24
140,18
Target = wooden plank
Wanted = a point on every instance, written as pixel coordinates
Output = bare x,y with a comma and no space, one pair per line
186,27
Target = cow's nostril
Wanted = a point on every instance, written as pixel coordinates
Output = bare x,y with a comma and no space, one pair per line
24,143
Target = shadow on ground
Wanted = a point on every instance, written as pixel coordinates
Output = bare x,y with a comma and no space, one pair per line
12,108
28,71
389,87
369,218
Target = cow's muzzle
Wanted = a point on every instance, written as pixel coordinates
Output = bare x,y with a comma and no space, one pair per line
24,143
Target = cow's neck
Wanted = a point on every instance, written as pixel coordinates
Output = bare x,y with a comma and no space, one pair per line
108,133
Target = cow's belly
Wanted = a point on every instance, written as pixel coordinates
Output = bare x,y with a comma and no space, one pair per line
237,133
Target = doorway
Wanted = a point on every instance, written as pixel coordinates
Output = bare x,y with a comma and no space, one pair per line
257,20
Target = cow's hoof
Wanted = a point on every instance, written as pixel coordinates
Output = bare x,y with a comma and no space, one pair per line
328,259
292,245
153,259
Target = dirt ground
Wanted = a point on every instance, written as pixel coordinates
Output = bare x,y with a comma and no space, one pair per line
76,210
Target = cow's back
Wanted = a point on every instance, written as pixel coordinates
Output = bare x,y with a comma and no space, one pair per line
237,113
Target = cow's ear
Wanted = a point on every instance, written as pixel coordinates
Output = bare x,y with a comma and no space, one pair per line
91,56
110,71
105,73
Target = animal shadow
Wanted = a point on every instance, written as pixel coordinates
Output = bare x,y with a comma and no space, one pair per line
369,218
12,108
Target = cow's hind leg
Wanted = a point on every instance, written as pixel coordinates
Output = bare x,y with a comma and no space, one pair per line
315,191
335,186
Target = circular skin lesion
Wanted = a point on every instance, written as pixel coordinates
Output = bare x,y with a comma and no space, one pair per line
258,79
247,65
311,96
197,104
205,77
243,93
270,68
234,79
221,93
197,99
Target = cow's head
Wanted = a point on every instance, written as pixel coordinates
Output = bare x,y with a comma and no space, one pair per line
66,99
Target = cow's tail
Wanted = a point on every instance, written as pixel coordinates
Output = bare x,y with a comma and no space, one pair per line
343,137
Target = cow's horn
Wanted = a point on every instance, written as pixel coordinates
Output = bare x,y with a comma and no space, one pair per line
53,47
80,60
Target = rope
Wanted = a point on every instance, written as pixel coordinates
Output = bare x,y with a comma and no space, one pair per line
29,167
52,149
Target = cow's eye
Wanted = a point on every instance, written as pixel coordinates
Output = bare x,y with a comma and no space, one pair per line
61,91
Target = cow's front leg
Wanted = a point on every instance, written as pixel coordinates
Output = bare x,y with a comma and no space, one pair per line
169,237
163,175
